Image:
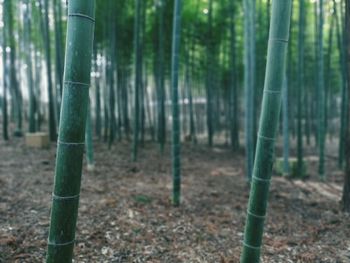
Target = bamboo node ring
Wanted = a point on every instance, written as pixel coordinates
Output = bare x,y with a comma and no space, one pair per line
76,83
71,143
82,16
261,180
249,246
56,197
255,215
266,138
60,244
279,40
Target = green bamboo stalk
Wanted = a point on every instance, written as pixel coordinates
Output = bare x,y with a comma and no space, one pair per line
14,86
233,101
98,107
285,112
209,79
138,79
5,78
27,31
343,125
176,162
70,149
345,202
88,141
301,55
52,111
248,87
160,77
58,53
275,71
321,90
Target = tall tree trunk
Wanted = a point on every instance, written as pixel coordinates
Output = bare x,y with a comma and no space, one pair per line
160,77
344,95
209,82
15,89
5,133
176,162
58,51
138,79
346,188
89,147
51,100
285,113
70,149
301,63
275,72
321,90
27,31
233,101
249,30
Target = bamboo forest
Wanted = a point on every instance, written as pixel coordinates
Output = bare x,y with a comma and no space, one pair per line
195,131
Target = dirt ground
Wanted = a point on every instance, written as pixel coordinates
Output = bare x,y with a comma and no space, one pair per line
125,213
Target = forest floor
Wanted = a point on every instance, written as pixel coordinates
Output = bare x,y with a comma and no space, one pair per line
125,213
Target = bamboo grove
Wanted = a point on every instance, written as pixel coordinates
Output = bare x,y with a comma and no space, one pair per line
170,72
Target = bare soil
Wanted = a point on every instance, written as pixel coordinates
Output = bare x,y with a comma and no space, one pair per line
125,213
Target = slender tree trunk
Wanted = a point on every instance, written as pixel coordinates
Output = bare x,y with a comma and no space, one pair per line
16,91
160,78
300,91
285,112
58,51
176,162
51,100
249,84
209,82
98,108
346,187
321,90
5,133
234,134
275,72
70,149
27,31
344,101
138,79
89,140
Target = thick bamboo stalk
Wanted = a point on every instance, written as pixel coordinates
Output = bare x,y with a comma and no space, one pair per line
275,70
70,149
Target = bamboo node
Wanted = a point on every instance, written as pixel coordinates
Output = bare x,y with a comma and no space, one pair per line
249,246
70,143
272,91
77,83
261,180
82,16
255,215
56,197
266,138
279,40
60,244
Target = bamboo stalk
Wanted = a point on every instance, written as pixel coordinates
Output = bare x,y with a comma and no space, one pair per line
275,70
70,149
175,104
